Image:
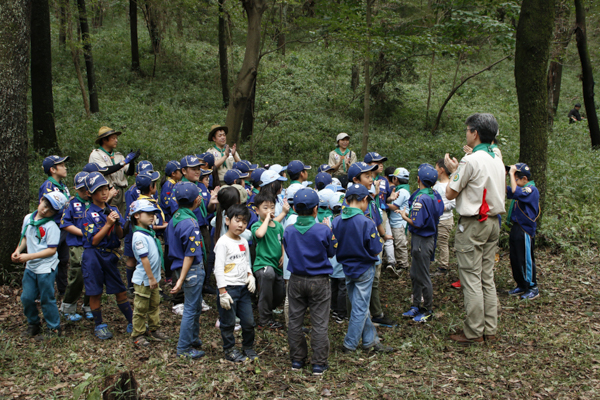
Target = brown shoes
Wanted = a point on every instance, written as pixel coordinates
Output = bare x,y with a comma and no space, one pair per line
462,340
490,338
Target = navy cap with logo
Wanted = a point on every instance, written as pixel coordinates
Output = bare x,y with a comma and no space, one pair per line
95,180
171,167
143,166
325,168
255,176
524,169
427,174
233,174
358,190
323,178
51,161
208,158
145,179
374,157
94,167
297,166
186,191
190,161
358,168
80,180
305,199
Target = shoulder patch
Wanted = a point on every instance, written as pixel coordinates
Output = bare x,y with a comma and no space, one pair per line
456,177
139,245
527,190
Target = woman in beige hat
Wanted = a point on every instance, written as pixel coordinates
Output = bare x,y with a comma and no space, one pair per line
342,157
224,156
117,165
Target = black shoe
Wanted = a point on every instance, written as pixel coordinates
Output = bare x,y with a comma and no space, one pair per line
271,325
32,331
251,354
346,350
379,348
234,355
383,321
207,289
49,334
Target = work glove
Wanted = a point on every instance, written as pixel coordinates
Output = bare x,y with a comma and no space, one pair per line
226,301
132,156
251,282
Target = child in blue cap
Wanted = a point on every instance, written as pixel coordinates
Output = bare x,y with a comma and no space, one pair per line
40,236
102,232
149,256
56,169
426,207
72,223
523,212
168,203
185,250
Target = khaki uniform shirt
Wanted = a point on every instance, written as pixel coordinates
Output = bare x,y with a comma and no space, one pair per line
227,165
334,158
478,171
116,179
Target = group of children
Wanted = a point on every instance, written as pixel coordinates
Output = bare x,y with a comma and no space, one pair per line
304,248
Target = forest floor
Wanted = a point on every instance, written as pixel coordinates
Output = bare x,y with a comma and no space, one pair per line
547,348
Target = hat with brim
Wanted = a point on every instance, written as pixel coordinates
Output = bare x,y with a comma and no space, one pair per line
243,193
270,177
105,131
94,167
142,205
358,168
341,136
214,129
56,199
357,190
306,199
80,180
94,181
427,174
51,161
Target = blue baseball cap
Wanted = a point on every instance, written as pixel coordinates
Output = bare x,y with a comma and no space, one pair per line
256,174
270,177
208,158
171,167
374,157
524,169
306,199
94,167
297,166
358,190
56,199
190,161
144,180
143,166
427,174
358,168
142,205
335,188
324,168
277,168
401,173
80,180
233,174
291,191
186,191
95,180
245,166
324,178
204,172
51,161
324,195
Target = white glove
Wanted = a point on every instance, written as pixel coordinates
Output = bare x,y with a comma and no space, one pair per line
251,282
226,301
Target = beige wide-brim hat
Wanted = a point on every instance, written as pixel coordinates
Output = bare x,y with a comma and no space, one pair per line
105,131
341,136
214,129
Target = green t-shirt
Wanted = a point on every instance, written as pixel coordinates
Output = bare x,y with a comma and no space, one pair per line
268,248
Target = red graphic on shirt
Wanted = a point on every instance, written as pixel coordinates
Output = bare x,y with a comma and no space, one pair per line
42,231
483,210
242,247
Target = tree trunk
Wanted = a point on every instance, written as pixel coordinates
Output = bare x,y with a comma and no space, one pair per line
355,79
14,177
62,24
223,67
562,36
587,75
281,36
367,100
98,10
245,81
135,52
42,102
534,32
87,54
152,22
75,55
248,123
429,91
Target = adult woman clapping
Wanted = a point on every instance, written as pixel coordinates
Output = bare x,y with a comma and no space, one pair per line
342,157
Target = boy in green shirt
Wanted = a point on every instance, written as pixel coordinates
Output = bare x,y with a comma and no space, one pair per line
267,267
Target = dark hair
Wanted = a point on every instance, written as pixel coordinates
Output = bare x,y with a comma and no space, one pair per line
295,177
578,105
361,174
240,211
402,180
264,196
272,188
320,185
185,203
389,171
343,180
351,198
304,211
146,191
520,175
485,125
227,197
441,164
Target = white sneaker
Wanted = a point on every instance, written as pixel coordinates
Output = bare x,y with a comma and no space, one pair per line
205,307
178,309
237,327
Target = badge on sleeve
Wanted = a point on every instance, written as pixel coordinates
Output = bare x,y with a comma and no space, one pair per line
139,245
96,217
527,190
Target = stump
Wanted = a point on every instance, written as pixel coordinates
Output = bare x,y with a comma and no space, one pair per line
120,386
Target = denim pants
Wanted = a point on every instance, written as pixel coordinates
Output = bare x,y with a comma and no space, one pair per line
189,330
306,292
42,285
242,308
360,325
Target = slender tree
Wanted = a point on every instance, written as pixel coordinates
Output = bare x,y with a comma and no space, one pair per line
87,54
223,64
135,52
534,32
562,36
62,23
14,177
367,99
42,102
587,76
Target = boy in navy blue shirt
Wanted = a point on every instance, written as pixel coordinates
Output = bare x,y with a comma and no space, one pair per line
523,213
185,251
309,246
426,207
358,247
102,230
56,169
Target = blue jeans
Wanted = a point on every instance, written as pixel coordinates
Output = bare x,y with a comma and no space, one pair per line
190,321
360,325
42,285
242,308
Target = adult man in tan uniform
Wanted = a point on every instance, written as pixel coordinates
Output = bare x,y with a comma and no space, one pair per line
224,156
477,184
117,165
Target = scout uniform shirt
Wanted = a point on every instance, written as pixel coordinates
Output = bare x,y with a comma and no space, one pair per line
41,237
480,181
334,158
49,186
73,216
93,221
309,250
426,218
227,165
184,238
105,159
525,207
144,245
166,199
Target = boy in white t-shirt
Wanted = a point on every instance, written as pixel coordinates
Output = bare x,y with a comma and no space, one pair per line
446,220
235,281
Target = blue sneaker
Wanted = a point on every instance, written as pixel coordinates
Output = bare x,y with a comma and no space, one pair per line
129,327
423,316
317,370
413,312
89,315
531,294
516,292
297,365
191,353
73,317
102,332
